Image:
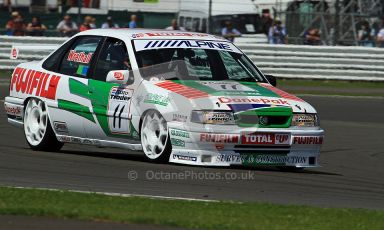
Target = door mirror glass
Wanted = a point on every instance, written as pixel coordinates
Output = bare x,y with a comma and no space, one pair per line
119,77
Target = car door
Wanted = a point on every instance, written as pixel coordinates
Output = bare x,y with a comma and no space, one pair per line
112,102
72,64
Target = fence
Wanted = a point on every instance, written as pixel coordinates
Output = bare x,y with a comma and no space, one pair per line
282,61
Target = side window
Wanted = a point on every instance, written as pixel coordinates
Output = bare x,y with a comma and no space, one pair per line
53,62
79,56
113,56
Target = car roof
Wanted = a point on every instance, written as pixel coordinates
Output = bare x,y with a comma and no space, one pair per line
125,33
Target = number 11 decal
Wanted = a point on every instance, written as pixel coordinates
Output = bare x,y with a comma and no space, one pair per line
118,110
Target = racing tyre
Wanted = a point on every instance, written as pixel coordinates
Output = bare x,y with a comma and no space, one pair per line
37,128
155,137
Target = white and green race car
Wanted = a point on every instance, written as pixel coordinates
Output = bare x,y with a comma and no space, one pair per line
181,97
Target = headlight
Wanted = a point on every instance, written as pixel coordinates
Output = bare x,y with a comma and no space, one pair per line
212,117
305,120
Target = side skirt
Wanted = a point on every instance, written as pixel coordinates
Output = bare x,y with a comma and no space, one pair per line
96,142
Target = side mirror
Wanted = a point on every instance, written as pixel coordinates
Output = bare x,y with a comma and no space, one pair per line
118,76
271,79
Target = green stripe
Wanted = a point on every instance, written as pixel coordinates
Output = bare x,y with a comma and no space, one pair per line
76,108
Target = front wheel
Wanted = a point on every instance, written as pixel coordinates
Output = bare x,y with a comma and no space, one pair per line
37,128
155,137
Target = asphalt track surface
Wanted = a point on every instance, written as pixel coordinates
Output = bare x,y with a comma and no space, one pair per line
352,172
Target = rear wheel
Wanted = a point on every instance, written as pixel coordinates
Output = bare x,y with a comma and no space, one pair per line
155,138
37,128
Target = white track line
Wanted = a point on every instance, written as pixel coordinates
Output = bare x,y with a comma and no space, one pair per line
116,194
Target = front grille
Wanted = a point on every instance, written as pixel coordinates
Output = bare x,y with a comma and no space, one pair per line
277,120
247,119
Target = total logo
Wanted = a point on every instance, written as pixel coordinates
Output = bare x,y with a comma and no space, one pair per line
265,139
34,82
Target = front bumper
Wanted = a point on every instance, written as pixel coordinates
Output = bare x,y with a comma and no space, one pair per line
14,109
245,146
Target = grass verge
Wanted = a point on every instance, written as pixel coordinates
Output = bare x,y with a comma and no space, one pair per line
188,214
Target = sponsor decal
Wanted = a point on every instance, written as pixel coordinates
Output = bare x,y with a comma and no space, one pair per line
13,109
79,57
179,133
60,127
14,53
185,91
304,120
76,140
265,139
179,117
269,159
200,44
118,105
120,94
168,34
177,142
184,158
65,139
279,92
87,142
34,82
153,98
118,76
227,100
308,140
260,159
217,117
219,138
138,35
82,70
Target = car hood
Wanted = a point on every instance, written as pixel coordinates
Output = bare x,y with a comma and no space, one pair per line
235,95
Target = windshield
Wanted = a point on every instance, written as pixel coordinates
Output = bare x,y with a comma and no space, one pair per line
214,62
